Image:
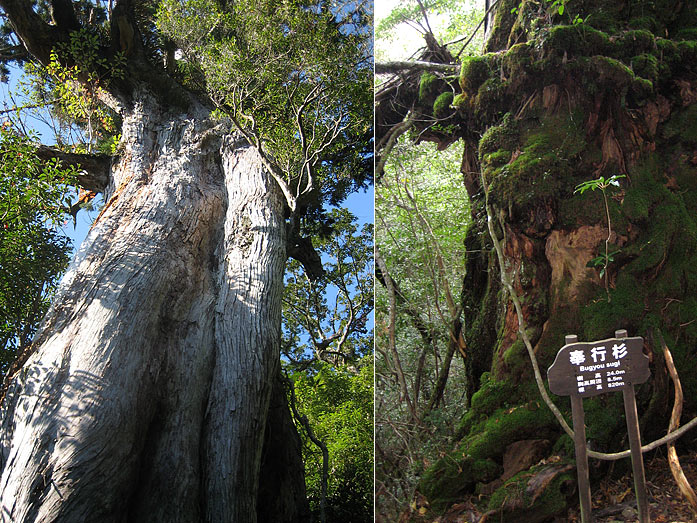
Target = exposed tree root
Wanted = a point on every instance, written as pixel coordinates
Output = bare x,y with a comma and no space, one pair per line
675,468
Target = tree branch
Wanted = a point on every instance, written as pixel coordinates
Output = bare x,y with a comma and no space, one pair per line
13,53
673,461
63,15
93,169
423,12
404,396
37,36
302,250
471,37
415,65
391,137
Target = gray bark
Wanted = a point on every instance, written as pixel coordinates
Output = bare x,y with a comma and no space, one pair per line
146,395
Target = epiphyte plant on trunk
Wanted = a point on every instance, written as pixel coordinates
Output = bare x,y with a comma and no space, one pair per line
605,259
151,390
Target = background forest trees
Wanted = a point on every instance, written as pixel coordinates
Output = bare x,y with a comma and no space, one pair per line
564,93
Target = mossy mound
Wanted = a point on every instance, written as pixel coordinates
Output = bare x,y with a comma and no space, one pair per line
646,66
577,40
479,455
534,495
441,106
427,85
451,477
540,164
491,396
473,73
501,137
682,126
633,42
518,60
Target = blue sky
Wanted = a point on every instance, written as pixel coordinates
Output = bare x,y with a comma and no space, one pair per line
361,203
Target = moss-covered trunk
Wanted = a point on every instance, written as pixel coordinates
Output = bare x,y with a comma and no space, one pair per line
603,89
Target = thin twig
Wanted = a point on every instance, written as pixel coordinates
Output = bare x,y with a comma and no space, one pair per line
471,37
29,106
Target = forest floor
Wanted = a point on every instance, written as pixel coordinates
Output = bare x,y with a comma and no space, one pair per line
614,500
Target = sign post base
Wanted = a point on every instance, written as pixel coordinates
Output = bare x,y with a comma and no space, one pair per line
584,486
635,448
591,368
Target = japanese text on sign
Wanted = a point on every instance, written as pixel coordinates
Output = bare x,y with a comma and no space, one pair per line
592,368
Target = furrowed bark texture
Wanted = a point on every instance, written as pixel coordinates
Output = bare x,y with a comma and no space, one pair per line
146,398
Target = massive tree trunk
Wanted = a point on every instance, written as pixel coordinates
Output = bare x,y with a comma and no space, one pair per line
147,393
557,102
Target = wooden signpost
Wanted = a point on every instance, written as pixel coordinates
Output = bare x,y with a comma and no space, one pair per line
591,368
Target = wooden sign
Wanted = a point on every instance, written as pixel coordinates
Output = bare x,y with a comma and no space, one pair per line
589,369
592,368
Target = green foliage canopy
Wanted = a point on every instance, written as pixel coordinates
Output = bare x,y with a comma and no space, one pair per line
295,77
33,252
329,318
339,405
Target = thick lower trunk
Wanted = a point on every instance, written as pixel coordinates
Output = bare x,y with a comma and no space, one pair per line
146,398
281,497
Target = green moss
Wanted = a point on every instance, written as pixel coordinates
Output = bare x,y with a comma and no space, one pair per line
442,104
504,18
518,59
682,125
516,356
426,85
490,100
562,323
624,311
473,73
506,426
480,305
564,446
462,101
647,23
641,90
581,209
499,137
686,363
646,66
602,21
687,34
683,172
577,40
688,51
666,250
451,476
604,420
538,170
631,43
637,202
526,21
516,503
611,71
498,158
668,50
493,395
